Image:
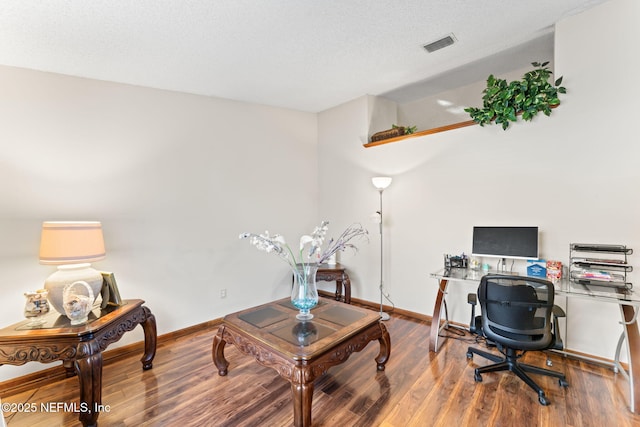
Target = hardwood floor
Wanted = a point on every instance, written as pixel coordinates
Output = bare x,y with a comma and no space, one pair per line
418,388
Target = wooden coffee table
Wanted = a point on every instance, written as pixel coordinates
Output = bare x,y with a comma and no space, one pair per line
301,351
80,347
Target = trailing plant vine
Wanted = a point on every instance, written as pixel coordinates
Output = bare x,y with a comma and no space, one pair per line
503,102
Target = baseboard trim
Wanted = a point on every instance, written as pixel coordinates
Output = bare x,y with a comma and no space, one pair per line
58,373
390,310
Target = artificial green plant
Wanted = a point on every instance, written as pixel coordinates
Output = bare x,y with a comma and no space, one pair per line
503,102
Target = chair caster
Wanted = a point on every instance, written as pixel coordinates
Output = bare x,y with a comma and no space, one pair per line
563,383
469,355
543,399
477,377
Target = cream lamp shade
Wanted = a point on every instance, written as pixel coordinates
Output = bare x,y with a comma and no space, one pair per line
72,246
71,242
381,182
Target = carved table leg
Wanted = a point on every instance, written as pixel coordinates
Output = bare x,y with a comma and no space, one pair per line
218,352
385,348
346,282
150,339
302,400
338,290
89,370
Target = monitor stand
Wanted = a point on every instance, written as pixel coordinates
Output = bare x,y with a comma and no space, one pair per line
502,269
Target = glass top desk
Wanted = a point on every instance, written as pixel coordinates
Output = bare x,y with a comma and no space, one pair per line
627,300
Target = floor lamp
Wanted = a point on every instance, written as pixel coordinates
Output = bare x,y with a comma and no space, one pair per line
381,182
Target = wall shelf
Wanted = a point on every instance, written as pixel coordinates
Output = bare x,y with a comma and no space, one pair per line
422,133
430,131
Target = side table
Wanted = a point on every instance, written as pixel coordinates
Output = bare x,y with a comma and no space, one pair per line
337,273
80,347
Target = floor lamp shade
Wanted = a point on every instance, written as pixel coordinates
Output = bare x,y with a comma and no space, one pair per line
381,182
72,246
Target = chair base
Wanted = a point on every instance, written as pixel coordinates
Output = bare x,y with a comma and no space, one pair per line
510,363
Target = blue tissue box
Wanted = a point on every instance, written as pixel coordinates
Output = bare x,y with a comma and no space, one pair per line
537,268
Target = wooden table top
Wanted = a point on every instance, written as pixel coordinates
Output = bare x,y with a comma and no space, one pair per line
275,325
331,267
59,325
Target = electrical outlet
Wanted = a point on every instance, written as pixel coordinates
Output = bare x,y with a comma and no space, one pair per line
223,293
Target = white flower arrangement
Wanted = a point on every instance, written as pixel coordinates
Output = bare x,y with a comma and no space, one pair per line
314,241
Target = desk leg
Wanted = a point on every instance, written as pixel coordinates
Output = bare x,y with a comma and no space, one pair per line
437,315
633,345
302,393
150,338
89,370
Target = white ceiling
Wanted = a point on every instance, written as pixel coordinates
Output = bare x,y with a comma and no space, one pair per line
307,55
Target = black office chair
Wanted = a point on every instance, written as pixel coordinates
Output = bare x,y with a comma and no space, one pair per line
516,318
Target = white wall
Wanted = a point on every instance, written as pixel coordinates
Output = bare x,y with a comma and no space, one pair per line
573,174
174,178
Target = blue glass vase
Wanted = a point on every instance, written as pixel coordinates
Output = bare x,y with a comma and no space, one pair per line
304,295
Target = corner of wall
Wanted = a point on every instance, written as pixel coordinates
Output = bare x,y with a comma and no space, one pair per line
381,113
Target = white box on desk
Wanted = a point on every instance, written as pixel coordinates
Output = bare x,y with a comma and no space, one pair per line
537,268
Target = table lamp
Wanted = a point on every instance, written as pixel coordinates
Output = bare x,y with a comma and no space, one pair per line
72,246
381,182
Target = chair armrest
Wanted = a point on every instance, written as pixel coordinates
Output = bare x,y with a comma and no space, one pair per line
472,299
475,323
558,312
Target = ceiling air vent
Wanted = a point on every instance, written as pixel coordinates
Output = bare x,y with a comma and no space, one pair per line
441,43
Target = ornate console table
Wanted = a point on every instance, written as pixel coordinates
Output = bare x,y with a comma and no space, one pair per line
301,351
80,347
337,273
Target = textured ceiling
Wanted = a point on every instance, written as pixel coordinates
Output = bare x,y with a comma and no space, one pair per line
307,55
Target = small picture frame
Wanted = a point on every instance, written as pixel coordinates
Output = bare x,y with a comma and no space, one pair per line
110,293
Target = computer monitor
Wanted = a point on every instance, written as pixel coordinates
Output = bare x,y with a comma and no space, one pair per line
505,242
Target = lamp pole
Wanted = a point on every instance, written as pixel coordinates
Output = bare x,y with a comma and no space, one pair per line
381,183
